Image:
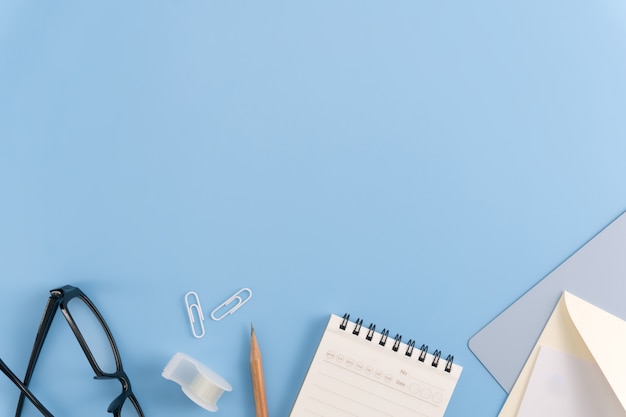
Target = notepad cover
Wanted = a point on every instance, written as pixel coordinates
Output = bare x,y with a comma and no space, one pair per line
352,376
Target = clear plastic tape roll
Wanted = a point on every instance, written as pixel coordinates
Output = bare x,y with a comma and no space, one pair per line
201,384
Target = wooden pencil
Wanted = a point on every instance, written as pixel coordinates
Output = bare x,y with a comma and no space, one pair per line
258,382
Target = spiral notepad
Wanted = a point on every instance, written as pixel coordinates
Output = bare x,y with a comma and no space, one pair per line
358,371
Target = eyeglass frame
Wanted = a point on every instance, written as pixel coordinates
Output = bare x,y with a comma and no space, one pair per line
59,298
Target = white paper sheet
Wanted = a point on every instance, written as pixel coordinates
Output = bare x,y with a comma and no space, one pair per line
351,376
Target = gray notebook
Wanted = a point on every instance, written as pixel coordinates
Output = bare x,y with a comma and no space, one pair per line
596,272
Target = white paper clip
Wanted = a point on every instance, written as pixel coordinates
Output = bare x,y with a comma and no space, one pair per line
202,385
239,301
194,306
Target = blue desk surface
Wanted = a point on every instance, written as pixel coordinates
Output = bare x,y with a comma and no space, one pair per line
416,164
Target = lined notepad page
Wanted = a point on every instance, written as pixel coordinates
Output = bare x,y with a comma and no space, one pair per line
351,376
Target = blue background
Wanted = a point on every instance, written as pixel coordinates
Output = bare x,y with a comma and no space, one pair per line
416,164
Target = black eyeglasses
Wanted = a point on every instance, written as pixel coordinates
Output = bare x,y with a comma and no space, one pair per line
96,341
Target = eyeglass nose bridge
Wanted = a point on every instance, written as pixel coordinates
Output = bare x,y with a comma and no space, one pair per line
117,403
115,406
120,376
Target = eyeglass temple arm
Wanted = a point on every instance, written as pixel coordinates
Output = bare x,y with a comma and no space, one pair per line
24,390
42,332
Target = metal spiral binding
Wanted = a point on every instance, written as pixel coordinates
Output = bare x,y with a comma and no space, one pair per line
423,352
449,361
409,348
396,343
344,322
370,332
383,337
437,356
384,334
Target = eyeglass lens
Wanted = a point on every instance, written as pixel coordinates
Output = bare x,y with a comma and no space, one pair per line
129,409
94,334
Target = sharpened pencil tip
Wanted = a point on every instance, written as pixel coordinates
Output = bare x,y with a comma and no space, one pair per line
251,329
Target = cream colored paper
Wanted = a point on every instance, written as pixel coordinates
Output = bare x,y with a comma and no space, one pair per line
564,385
581,329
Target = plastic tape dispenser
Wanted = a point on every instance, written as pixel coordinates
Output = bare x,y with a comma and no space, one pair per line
199,383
